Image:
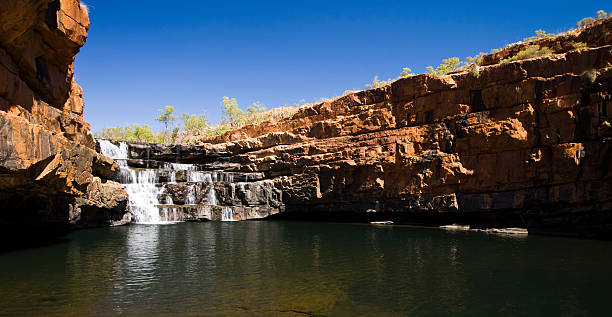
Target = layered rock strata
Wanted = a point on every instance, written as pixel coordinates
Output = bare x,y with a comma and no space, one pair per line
162,190
520,144
50,174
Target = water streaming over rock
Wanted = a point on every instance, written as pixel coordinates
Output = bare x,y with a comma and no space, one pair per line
163,192
227,214
140,185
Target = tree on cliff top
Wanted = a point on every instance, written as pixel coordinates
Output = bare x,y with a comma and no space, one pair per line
448,65
194,122
139,133
601,14
166,117
257,107
231,111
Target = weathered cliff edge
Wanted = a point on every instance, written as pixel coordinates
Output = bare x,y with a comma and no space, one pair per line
523,144
50,175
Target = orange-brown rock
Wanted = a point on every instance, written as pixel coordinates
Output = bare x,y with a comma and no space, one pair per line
47,156
526,143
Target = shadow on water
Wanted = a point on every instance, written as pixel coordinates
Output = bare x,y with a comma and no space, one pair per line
285,268
28,237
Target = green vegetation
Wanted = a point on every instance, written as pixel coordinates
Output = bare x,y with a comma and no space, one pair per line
579,45
256,108
194,122
231,111
406,72
539,34
166,116
195,127
377,84
531,51
448,65
601,14
133,133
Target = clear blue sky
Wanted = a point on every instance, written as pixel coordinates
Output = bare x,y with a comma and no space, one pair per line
143,55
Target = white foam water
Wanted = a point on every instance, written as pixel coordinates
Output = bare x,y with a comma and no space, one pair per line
190,198
222,177
143,199
199,177
181,167
140,185
144,194
227,214
211,196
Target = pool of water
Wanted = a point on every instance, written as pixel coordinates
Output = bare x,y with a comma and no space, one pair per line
279,268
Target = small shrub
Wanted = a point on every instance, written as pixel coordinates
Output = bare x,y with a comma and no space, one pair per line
531,51
584,22
448,65
475,59
495,50
539,34
166,116
406,72
601,14
257,107
474,70
193,122
377,84
579,45
231,110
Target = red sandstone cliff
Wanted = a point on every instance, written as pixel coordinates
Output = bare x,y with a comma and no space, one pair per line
49,171
526,143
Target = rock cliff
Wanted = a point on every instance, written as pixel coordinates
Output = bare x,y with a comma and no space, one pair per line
50,174
526,143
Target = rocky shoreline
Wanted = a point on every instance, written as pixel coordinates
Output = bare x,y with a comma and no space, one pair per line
521,144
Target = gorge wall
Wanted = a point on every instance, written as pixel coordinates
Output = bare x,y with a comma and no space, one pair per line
525,143
50,175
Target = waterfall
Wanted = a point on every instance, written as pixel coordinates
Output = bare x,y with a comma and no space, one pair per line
151,190
190,198
211,196
199,177
118,153
140,185
181,167
227,214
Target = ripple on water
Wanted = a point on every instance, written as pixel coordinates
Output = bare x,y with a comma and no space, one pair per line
276,268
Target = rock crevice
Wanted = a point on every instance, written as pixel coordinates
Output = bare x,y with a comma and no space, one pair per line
50,175
524,143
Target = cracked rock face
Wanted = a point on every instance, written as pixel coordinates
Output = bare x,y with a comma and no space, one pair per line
47,156
526,143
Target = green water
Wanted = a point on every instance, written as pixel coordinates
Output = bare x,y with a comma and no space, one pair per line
300,269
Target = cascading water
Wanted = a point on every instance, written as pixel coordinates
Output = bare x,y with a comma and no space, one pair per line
190,198
151,190
139,184
201,177
227,214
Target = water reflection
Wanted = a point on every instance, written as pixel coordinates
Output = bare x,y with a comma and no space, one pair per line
138,271
270,268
